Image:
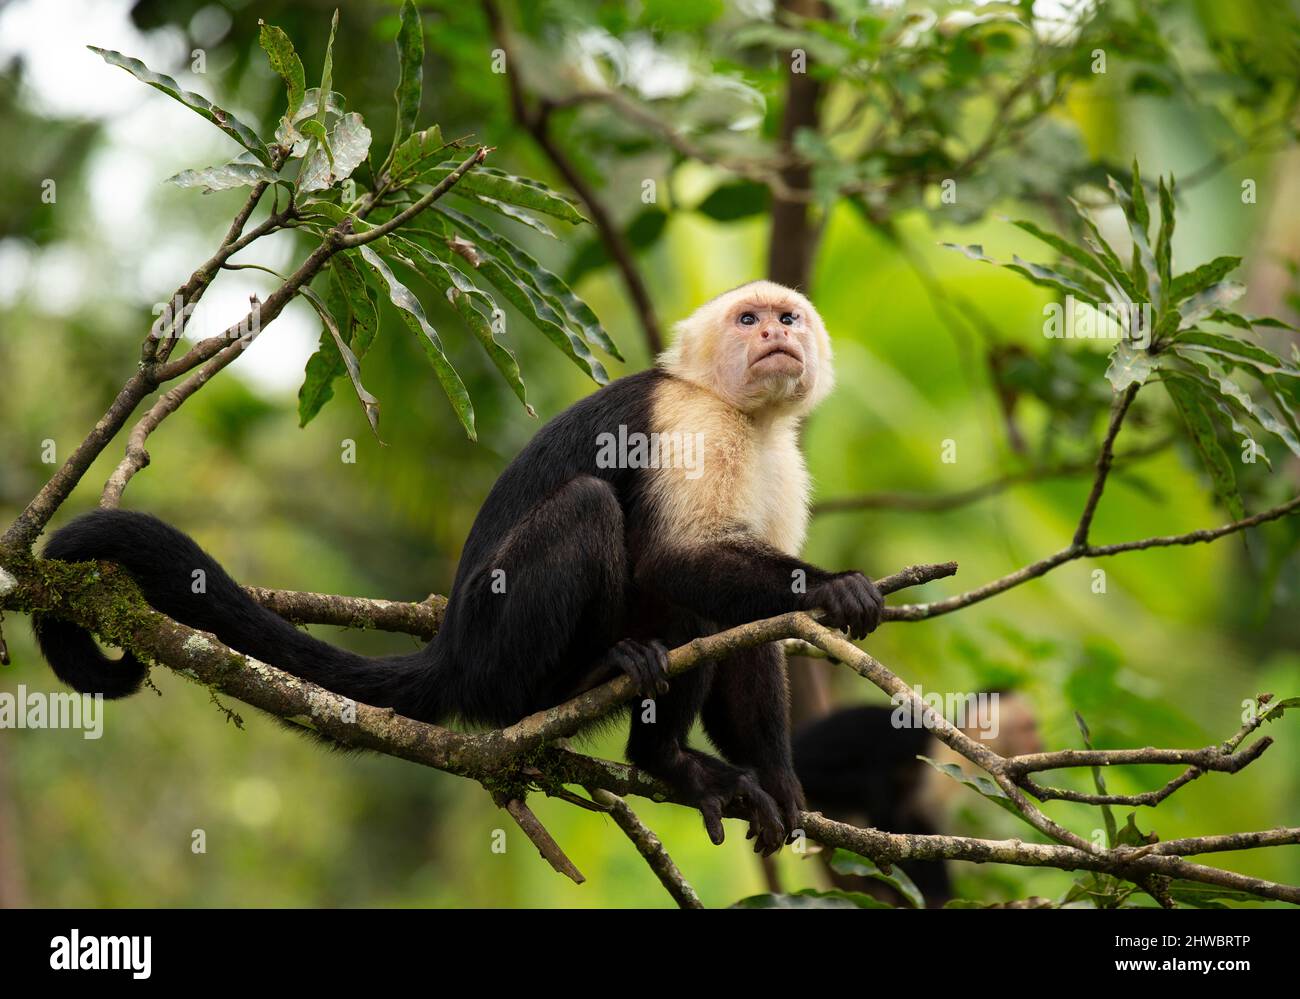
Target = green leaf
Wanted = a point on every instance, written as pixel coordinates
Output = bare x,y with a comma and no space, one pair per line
980,785
1140,213
1188,400
414,153
1203,896
1038,274
510,212
1067,249
410,60
1143,268
737,200
1249,322
1165,239
1050,278
1208,301
461,292
326,364
412,314
1108,257
327,68
564,310
368,402
284,60
225,177
521,191
224,120
361,305
1238,350
316,172
1235,395
846,862
1201,278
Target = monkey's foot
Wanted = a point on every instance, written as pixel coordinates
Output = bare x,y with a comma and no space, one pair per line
645,662
784,789
716,786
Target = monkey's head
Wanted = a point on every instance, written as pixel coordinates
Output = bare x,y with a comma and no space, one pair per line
761,347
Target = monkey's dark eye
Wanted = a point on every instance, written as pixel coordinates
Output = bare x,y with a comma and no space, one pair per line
788,318
748,319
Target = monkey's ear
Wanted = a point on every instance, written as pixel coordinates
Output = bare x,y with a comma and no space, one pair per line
825,380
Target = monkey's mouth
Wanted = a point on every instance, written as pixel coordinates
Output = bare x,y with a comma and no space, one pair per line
775,352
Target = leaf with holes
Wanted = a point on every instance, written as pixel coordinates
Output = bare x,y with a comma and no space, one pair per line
284,60
225,177
1130,365
350,141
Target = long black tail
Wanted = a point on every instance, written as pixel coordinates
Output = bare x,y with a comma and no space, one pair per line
184,582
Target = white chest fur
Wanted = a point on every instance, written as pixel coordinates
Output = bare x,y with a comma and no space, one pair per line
750,476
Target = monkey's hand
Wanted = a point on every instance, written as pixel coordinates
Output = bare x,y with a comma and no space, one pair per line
851,601
645,662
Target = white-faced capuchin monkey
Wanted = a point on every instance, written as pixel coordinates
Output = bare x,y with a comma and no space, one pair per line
668,505
857,765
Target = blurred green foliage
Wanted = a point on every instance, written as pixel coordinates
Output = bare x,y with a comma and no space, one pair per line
930,347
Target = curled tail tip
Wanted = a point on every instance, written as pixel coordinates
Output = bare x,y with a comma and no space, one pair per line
79,662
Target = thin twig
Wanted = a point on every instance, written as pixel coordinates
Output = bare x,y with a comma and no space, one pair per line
651,848
938,502
922,612
542,839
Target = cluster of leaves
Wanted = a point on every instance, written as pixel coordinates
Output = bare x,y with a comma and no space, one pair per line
1179,329
913,94
321,158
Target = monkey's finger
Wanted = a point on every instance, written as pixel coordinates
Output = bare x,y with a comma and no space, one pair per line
711,810
860,614
764,816
660,654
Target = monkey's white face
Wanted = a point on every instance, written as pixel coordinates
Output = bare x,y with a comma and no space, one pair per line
761,348
768,353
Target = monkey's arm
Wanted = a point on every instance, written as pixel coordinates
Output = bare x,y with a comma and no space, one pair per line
734,577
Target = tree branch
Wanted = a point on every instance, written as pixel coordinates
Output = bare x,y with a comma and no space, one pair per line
106,601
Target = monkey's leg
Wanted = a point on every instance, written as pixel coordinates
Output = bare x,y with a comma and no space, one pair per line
545,607
657,744
746,715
